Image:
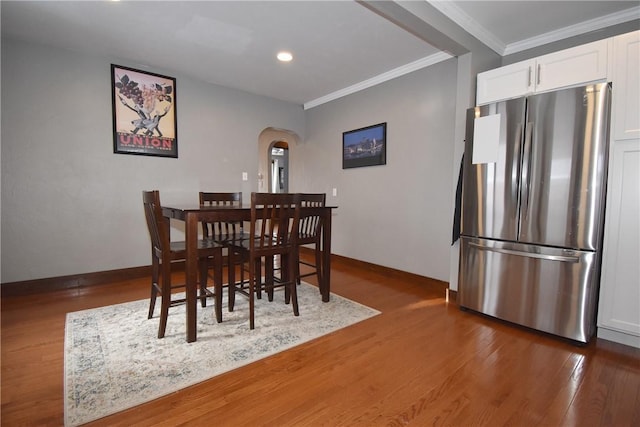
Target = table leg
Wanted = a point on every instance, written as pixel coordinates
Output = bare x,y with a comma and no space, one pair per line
191,273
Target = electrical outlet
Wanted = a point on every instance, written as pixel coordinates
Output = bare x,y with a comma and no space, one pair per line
245,176
335,192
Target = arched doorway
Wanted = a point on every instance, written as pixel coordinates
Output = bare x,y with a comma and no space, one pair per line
279,163
268,139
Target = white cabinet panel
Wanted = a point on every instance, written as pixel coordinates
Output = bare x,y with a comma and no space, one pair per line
626,86
619,307
581,64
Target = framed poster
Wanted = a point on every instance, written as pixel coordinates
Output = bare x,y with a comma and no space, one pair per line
144,113
365,146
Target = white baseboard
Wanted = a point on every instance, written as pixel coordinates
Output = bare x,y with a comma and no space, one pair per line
619,337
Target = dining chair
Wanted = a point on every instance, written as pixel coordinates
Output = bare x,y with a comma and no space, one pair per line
273,233
227,233
227,230
309,233
164,252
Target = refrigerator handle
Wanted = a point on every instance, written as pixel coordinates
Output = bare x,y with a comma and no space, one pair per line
526,165
563,258
516,170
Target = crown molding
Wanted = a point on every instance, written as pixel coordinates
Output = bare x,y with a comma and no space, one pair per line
485,36
458,16
381,78
575,30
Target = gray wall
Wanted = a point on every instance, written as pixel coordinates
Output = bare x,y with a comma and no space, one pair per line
397,215
71,206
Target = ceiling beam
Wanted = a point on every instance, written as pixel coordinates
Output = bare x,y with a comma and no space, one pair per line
420,19
426,22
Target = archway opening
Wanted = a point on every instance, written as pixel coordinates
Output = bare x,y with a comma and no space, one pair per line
275,138
279,167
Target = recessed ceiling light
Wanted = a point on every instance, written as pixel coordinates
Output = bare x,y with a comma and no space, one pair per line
284,56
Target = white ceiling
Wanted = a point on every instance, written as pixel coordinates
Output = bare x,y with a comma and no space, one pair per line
338,46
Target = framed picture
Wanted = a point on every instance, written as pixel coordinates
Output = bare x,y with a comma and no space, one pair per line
365,146
144,113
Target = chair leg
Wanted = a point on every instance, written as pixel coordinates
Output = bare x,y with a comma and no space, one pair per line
294,298
292,261
217,283
154,285
319,272
298,279
257,276
242,258
287,275
204,267
166,298
269,276
231,274
152,302
252,280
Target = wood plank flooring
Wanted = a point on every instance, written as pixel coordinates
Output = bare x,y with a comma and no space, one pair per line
421,362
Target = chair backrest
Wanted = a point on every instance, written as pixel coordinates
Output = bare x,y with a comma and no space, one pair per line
312,199
219,229
310,223
156,222
274,222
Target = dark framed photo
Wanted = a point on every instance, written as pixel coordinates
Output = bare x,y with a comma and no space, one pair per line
365,146
144,113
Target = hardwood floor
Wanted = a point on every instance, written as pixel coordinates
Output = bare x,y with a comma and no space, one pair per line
421,362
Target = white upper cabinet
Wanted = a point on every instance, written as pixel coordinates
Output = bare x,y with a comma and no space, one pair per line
626,86
569,67
510,81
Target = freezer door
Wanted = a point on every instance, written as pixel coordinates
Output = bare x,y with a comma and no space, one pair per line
565,167
491,189
548,289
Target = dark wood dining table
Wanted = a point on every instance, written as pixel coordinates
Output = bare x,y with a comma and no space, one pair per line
192,215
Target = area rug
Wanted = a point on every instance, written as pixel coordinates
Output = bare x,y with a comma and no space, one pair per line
114,360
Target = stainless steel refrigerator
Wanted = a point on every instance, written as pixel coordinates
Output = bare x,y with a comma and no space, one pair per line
533,201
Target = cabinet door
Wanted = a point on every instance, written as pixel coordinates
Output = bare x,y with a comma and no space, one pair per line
570,67
510,81
619,307
626,86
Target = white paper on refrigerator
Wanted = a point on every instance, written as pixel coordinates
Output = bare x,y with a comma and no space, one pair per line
486,139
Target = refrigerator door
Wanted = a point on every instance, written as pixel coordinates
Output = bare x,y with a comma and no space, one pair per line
491,190
565,167
548,289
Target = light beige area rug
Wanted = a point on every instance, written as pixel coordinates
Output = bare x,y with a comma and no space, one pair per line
114,360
